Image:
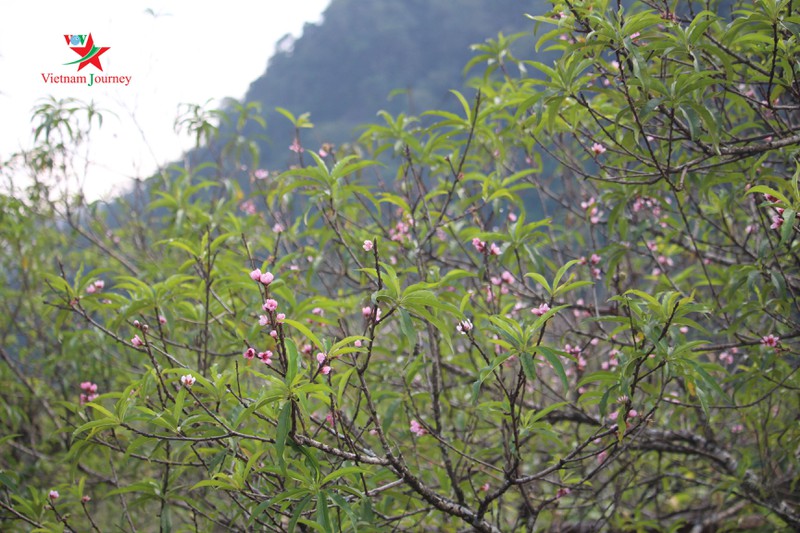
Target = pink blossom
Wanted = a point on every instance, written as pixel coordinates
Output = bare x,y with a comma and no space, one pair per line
635,35
485,487
248,207
479,245
588,203
295,146
495,280
507,277
325,370
249,353
595,215
777,222
188,380
464,326
542,309
368,245
255,275
91,289
86,398
162,319
136,341
598,149
367,312
595,259
261,174
737,428
266,357
602,456
280,318
399,232
633,413
90,390
54,495
417,428
85,498
563,491
270,305
512,217
494,249
318,311
770,340
306,349
88,386
278,228
321,357
273,334
266,278
726,358
572,350
263,320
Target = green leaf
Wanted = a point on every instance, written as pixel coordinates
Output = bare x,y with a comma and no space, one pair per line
528,366
553,357
408,327
323,518
763,189
547,410
342,504
292,361
298,511
305,331
283,431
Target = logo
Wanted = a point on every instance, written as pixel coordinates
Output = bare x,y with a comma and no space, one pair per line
88,54
84,47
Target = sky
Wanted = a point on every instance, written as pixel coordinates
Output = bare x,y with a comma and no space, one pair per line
174,51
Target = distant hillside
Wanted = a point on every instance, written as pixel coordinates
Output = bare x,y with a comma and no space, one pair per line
343,70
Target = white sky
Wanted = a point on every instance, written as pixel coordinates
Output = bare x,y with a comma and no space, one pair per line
187,53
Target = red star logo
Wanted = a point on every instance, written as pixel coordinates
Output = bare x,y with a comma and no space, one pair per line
90,54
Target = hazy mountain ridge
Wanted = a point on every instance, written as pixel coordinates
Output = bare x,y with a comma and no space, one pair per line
342,70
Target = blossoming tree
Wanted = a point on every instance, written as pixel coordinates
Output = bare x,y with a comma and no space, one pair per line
571,306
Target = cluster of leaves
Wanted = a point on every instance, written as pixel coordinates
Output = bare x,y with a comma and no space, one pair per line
434,352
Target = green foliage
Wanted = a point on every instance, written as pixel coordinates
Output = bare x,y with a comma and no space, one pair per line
360,346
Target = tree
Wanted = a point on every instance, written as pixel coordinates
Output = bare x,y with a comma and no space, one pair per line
424,353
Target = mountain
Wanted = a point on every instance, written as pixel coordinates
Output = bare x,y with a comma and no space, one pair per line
343,70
